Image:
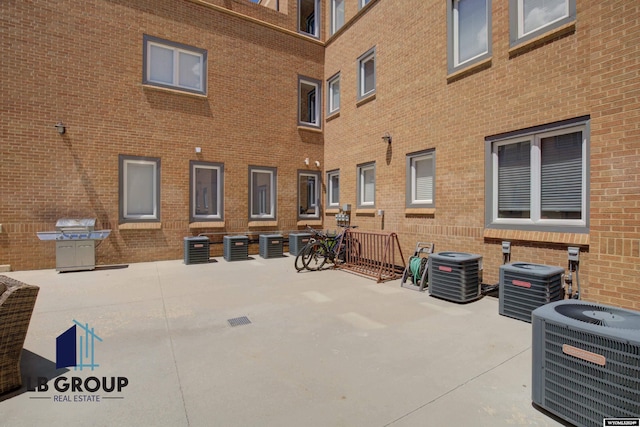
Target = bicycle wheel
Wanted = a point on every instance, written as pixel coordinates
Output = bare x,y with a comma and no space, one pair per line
315,256
299,262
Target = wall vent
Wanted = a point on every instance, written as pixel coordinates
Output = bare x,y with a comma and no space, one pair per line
235,248
196,250
455,276
525,287
586,361
270,245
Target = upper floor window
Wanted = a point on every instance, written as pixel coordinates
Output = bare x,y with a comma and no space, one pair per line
272,4
309,97
207,188
333,102
469,35
174,65
363,3
531,18
337,15
421,179
538,179
309,17
333,189
366,185
367,74
262,192
308,194
139,188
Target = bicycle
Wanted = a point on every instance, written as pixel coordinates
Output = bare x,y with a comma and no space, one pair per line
299,263
336,249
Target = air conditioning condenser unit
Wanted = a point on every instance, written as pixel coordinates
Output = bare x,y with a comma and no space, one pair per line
525,287
455,276
586,361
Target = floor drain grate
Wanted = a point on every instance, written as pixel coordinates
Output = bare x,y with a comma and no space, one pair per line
238,321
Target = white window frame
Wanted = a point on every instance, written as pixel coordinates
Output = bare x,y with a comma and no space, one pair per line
177,49
271,202
362,169
454,63
535,222
154,191
218,168
369,55
363,3
335,14
331,191
517,21
314,198
333,85
314,110
316,19
412,158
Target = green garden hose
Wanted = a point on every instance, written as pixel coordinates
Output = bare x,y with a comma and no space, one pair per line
416,266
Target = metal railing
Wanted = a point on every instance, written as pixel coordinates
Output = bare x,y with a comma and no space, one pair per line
375,255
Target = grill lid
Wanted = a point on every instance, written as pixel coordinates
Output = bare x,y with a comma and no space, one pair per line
75,224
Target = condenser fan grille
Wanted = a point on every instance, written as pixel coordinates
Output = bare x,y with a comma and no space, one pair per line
602,316
583,391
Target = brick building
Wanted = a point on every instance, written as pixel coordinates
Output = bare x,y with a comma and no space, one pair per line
464,123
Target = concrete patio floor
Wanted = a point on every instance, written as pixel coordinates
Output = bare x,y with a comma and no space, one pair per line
323,348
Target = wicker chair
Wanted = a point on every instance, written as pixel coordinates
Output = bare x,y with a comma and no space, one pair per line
17,300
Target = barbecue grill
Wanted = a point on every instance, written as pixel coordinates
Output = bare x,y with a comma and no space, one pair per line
75,243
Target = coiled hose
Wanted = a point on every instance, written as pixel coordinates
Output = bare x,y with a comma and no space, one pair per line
416,267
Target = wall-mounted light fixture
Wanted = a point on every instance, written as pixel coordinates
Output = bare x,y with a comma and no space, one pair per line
387,138
317,163
198,150
306,161
60,127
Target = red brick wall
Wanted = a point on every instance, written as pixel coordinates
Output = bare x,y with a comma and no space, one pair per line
84,67
81,63
592,70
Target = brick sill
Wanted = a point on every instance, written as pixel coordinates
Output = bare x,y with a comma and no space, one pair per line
316,222
140,226
577,239
263,223
420,211
332,116
174,91
207,224
310,129
524,47
366,100
366,212
471,69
